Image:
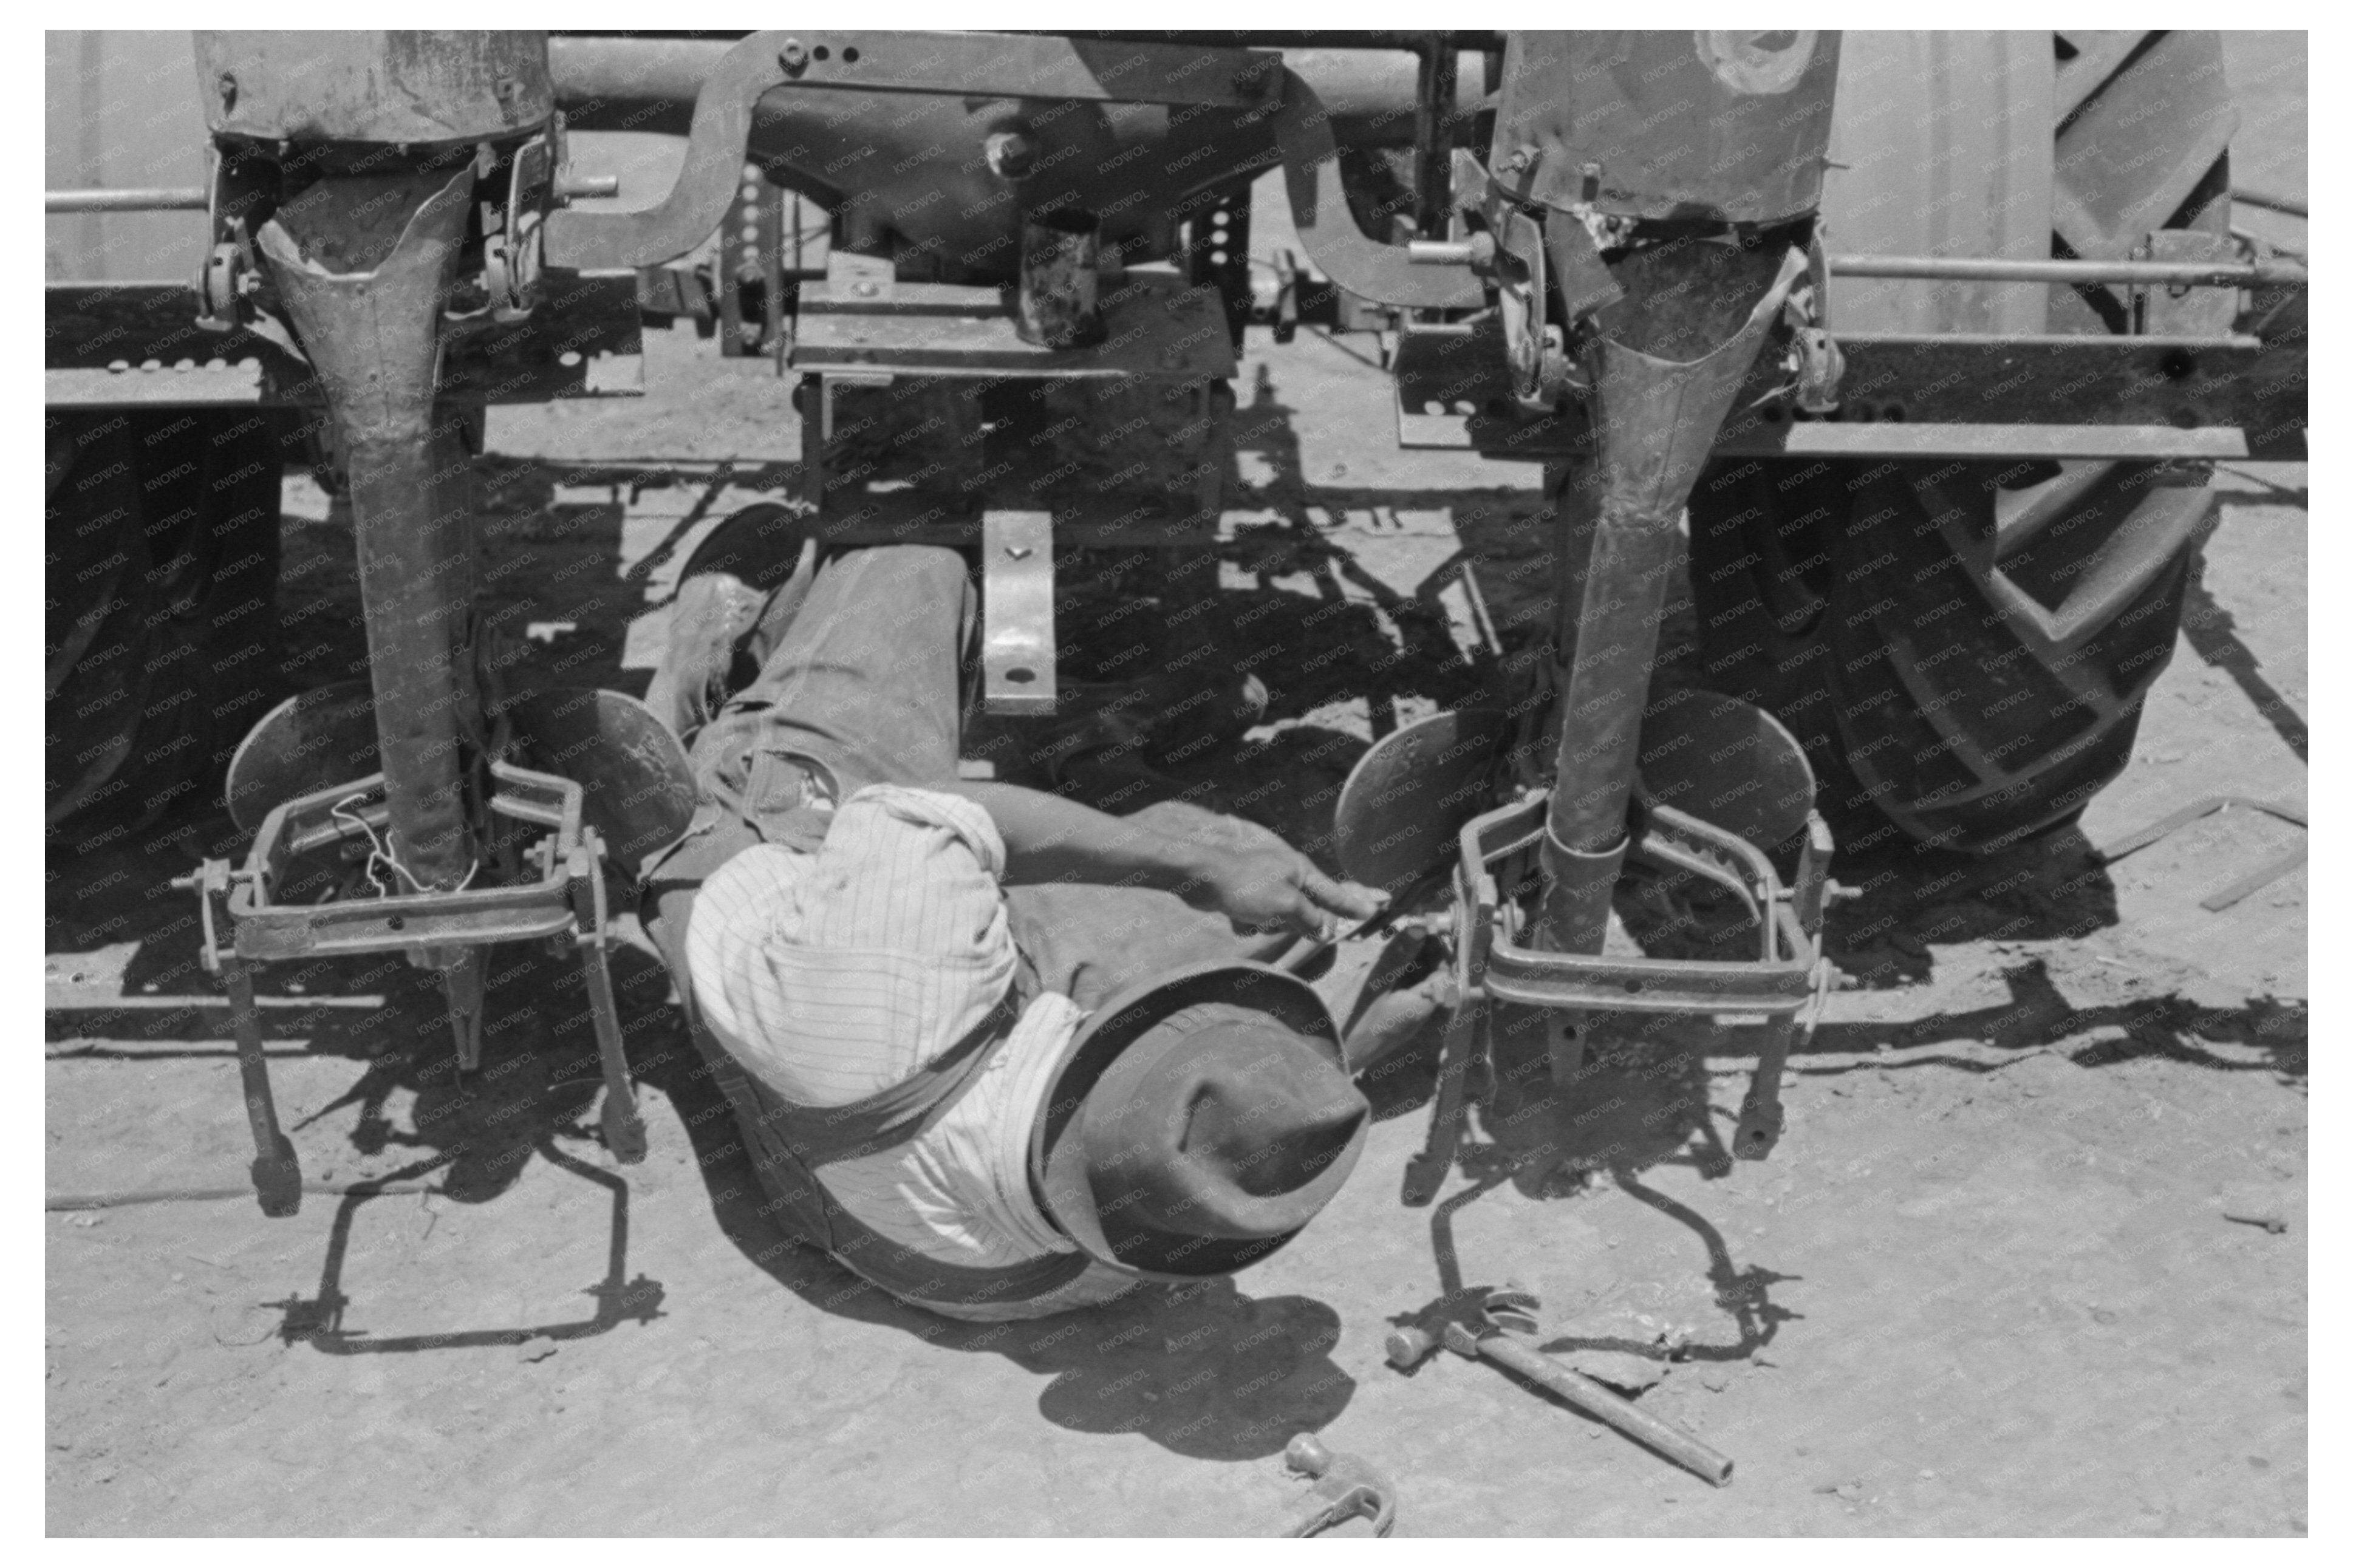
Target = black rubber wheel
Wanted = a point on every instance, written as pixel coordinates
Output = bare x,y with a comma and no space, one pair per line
161,620
1963,647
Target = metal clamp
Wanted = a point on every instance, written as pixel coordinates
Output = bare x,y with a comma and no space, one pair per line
242,927
1017,574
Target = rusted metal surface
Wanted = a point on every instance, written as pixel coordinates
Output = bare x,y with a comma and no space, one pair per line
1017,649
416,88
1728,126
371,334
1054,301
1154,326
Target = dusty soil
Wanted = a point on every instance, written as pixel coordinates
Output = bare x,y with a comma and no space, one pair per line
1986,1285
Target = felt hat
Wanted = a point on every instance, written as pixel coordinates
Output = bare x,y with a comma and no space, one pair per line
1198,1122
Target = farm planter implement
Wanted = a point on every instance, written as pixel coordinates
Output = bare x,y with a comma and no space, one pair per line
1618,259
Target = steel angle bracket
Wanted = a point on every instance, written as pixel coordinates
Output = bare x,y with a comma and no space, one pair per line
1017,577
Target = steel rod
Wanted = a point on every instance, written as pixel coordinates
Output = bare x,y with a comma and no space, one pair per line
132,199
1995,269
2295,207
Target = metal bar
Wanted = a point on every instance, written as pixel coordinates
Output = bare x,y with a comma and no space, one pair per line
2112,443
1474,40
1598,1402
2295,207
2262,877
1006,65
1426,1172
1991,270
1761,1119
131,199
1432,151
277,1172
624,1128
2188,814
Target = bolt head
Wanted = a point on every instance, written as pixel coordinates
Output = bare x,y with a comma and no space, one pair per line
794,56
1010,155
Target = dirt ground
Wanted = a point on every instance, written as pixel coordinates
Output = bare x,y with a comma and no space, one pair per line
1986,1285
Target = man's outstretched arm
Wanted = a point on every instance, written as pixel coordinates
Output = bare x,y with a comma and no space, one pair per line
1243,871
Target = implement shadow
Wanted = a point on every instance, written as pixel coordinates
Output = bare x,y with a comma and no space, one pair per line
319,1319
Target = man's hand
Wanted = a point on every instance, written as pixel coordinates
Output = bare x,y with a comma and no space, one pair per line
1236,868
1255,880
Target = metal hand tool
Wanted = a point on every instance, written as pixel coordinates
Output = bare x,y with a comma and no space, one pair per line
1364,1490
1489,1329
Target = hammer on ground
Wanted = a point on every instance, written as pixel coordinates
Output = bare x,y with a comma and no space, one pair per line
1488,1330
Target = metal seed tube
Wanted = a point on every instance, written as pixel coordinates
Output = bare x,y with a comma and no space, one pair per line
1654,420
371,336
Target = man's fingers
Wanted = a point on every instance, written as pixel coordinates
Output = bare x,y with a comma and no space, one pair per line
1351,899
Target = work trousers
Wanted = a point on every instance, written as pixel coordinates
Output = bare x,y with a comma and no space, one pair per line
861,659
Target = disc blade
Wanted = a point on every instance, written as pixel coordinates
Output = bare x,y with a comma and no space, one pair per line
1407,797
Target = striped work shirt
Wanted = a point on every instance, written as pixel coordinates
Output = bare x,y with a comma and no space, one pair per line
835,975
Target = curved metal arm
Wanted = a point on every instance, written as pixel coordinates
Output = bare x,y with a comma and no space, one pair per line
697,204
1385,274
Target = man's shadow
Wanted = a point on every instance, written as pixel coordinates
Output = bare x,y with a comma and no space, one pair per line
1204,1370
